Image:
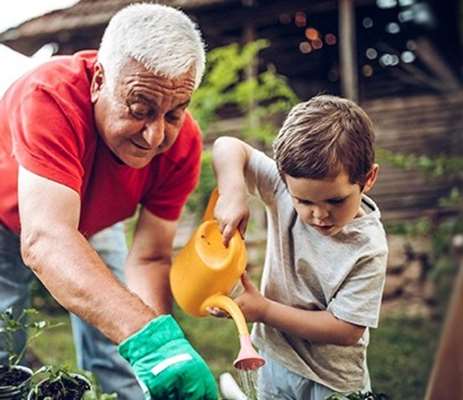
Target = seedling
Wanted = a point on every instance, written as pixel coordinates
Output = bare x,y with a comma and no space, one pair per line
9,326
59,383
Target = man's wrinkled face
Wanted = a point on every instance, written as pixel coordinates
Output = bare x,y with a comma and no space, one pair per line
330,203
141,115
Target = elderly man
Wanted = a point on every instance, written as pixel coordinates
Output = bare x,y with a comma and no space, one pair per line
85,140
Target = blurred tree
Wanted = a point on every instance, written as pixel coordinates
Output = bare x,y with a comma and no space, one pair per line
261,99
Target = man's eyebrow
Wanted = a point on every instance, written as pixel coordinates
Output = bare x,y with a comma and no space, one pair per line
143,98
184,104
152,101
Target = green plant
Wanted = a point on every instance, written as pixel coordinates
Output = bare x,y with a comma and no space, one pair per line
440,166
10,326
59,383
226,85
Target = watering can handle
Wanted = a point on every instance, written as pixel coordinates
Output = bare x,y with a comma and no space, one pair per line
209,213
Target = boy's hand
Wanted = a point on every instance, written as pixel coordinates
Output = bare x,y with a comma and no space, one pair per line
232,212
253,305
166,364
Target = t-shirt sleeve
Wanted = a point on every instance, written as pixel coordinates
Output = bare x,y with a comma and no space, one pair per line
44,141
262,177
166,198
358,300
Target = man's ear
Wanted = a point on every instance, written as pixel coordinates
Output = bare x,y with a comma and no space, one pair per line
98,81
371,178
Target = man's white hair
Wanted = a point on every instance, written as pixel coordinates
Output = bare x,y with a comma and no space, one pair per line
163,39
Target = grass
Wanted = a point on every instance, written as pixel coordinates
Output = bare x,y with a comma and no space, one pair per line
401,351
400,356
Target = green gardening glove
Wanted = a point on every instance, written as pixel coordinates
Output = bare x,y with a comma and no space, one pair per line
165,363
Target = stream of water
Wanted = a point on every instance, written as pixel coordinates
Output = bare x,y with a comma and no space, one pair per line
248,383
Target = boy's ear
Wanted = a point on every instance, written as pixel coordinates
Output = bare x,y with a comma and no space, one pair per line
371,178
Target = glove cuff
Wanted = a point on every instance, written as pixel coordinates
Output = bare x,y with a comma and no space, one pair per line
151,337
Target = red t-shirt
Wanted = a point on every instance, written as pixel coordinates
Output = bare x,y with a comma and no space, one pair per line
47,126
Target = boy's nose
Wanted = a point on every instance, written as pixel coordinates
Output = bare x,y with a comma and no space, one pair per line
319,213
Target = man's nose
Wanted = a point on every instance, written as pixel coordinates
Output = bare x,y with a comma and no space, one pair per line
154,133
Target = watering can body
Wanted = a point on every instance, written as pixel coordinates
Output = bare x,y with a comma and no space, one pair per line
205,268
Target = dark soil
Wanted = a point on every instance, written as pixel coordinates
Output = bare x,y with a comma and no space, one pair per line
63,389
12,377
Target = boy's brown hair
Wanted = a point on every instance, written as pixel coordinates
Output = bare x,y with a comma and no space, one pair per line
323,136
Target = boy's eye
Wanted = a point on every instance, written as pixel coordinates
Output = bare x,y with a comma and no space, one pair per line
304,202
336,201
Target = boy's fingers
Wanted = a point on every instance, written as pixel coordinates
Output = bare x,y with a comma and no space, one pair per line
227,234
247,284
217,312
242,226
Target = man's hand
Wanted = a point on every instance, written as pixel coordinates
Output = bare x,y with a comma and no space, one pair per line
166,364
232,212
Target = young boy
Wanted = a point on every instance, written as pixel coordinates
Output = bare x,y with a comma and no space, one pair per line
326,252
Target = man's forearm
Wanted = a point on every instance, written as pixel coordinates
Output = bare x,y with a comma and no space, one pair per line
150,281
79,280
316,326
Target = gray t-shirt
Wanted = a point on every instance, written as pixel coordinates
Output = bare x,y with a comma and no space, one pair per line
343,275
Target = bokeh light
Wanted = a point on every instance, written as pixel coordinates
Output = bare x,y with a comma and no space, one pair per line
300,19
305,47
367,70
367,23
330,39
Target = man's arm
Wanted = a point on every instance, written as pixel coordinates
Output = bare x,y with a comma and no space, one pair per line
149,261
63,260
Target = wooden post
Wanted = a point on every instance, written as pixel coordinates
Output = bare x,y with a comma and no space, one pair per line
445,382
249,35
347,48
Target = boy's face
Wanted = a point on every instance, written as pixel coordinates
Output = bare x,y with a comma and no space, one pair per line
330,203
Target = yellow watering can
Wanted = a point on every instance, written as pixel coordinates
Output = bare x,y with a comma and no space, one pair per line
203,274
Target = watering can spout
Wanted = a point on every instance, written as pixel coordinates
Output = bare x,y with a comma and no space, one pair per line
227,304
247,359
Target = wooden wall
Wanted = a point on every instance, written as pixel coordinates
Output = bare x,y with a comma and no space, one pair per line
430,125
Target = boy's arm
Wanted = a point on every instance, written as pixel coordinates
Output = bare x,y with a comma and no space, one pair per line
230,157
315,326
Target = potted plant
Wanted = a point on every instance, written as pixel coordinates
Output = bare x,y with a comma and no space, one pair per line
59,384
15,379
